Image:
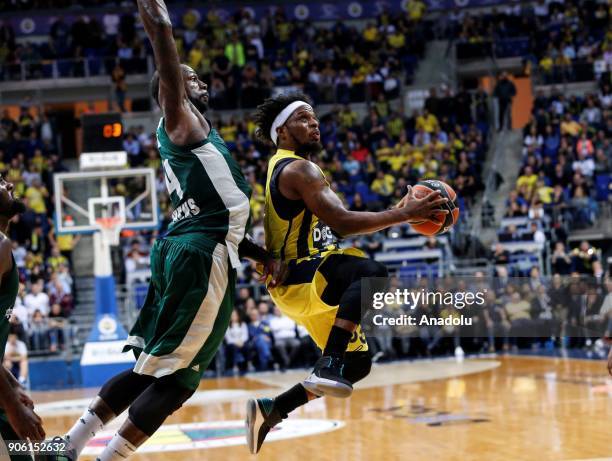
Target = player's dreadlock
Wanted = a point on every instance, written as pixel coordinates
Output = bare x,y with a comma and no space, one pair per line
267,111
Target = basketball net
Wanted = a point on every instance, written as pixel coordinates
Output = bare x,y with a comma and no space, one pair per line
110,229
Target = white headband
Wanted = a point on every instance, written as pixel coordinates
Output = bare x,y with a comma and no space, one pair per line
284,115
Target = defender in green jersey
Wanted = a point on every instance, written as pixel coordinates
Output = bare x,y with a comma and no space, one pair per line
17,418
193,268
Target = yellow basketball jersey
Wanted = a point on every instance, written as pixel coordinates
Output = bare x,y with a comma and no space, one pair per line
292,231
295,235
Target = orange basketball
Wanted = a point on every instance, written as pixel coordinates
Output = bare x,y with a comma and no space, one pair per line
427,227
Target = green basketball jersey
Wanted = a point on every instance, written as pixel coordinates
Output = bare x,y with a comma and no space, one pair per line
209,193
8,294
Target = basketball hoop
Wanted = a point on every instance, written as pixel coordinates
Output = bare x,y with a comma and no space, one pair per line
110,228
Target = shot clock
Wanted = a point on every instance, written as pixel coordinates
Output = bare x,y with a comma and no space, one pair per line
102,132
102,142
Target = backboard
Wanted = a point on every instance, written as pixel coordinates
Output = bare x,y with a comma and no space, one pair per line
86,199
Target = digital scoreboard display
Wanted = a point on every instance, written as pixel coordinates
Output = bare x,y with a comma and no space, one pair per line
102,132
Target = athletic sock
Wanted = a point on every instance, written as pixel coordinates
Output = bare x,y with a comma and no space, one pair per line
83,430
337,342
291,399
117,449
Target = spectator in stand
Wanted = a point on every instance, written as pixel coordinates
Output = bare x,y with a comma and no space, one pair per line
501,256
358,204
66,243
39,332
528,180
584,146
504,91
58,328
536,233
63,274
59,296
260,339
56,258
37,195
560,260
265,313
585,260
16,358
132,147
495,319
136,259
284,333
570,127
18,328
20,312
427,121
384,186
518,314
119,85
509,234
244,295
236,339
37,299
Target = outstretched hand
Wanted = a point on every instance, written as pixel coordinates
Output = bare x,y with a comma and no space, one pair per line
426,208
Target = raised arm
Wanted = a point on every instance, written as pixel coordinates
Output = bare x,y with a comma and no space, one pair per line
156,21
302,180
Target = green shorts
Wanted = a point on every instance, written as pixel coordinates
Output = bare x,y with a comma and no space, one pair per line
187,309
8,433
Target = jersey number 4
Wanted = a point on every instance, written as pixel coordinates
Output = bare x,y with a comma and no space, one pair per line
172,183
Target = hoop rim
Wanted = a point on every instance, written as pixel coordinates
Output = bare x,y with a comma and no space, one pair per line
109,222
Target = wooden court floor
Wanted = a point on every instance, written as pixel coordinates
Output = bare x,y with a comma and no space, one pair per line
499,408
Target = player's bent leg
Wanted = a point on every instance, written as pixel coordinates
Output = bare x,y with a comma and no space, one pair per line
119,392
159,401
344,274
357,365
327,378
263,414
146,415
114,397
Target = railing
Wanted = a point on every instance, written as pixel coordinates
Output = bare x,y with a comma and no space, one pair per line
512,47
501,48
577,71
39,344
240,98
135,292
581,216
74,67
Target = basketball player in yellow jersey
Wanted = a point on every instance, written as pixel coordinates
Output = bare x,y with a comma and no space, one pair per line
322,292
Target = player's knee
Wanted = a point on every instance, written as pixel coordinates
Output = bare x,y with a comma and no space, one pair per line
357,366
160,400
